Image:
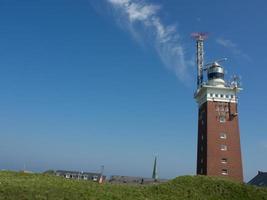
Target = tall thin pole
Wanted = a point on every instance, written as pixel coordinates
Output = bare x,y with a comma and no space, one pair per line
200,61
199,37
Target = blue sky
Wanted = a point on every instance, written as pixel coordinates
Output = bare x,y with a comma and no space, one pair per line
90,83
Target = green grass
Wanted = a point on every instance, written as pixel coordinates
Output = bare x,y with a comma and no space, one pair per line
21,186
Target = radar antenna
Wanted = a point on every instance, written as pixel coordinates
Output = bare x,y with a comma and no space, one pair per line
215,62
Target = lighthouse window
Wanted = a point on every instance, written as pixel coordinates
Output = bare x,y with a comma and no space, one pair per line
224,172
221,95
222,119
224,160
223,135
227,96
223,147
216,95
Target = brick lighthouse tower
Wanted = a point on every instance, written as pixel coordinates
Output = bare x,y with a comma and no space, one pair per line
218,150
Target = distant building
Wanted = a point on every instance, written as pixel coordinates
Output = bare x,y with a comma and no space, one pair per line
80,175
135,180
27,172
259,180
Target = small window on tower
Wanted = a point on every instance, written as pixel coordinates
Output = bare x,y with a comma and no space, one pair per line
223,135
227,96
216,95
232,96
223,147
224,160
224,172
221,95
222,119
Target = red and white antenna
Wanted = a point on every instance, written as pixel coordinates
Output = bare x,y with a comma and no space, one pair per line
200,37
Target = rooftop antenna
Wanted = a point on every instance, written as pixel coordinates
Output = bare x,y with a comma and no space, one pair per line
235,81
199,37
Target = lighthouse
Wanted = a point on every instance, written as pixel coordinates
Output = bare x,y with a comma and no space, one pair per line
218,144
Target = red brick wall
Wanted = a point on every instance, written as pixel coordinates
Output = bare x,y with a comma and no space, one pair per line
209,141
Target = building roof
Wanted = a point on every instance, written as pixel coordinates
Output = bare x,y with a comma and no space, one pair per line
78,173
135,180
259,180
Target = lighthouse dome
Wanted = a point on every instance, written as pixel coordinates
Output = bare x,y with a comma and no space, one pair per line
216,75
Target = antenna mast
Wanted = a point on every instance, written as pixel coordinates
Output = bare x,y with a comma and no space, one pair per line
200,37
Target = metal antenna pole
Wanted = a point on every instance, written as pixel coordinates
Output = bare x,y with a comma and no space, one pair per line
199,37
200,61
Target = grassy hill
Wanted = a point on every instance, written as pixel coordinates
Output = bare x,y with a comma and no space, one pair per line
21,186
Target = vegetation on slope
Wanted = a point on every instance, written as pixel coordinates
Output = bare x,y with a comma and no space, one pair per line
21,186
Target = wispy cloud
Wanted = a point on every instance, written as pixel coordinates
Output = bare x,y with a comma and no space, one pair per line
233,47
143,20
